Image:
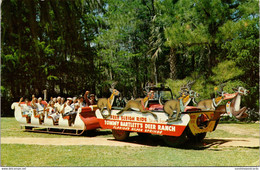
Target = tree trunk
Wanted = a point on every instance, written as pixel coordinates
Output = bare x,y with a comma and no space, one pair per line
172,62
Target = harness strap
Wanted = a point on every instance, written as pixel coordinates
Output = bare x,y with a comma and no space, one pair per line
181,105
214,103
228,109
108,104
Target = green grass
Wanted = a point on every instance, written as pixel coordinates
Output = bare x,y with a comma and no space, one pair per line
34,155
246,130
160,155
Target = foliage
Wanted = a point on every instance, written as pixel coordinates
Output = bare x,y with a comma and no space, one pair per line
68,47
225,71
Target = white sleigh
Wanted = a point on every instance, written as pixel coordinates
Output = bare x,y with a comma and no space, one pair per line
18,113
87,121
35,120
48,120
78,124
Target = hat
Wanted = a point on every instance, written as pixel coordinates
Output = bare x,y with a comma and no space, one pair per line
92,95
80,96
69,98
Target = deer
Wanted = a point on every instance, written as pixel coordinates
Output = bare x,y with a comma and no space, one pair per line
139,103
108,102
233,107
177,106
211,104
187,94
145,100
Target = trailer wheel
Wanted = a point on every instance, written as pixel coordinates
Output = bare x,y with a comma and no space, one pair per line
143,135
120,134
175,141
195,138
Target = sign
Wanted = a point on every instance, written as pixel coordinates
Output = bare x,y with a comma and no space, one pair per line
145,123
210,124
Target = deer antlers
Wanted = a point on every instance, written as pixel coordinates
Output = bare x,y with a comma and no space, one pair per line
221,88
187,87
146,87
113,85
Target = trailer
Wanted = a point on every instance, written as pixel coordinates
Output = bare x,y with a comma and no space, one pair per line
193,124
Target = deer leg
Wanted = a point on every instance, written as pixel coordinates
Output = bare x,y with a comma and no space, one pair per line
178,115
122,110
241,113
101,111
147,111
109,113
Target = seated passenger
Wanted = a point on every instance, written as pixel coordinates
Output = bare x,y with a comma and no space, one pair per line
51,111
62,100
74,101
86,98
26,109
81,101
73,116
40,107
91,101
57,105
37,110
40,102
68,109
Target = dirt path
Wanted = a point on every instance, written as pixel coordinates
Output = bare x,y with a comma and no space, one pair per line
239,131
225,142
67,141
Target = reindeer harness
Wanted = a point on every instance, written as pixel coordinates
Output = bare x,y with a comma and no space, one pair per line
216,101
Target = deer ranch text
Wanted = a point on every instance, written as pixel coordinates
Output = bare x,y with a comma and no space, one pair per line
128,123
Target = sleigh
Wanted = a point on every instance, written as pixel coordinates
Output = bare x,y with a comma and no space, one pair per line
85,120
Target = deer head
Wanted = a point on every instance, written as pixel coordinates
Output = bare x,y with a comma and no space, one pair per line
186,90
241,90
221,93
193,94
113,90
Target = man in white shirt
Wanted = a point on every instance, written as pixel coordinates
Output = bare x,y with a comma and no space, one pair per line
57,105
68,110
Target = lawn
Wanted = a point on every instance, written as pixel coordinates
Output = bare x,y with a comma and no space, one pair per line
160,155
34,155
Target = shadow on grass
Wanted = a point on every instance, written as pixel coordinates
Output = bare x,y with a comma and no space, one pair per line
156,140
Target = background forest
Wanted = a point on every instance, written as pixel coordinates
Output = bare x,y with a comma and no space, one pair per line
68,47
